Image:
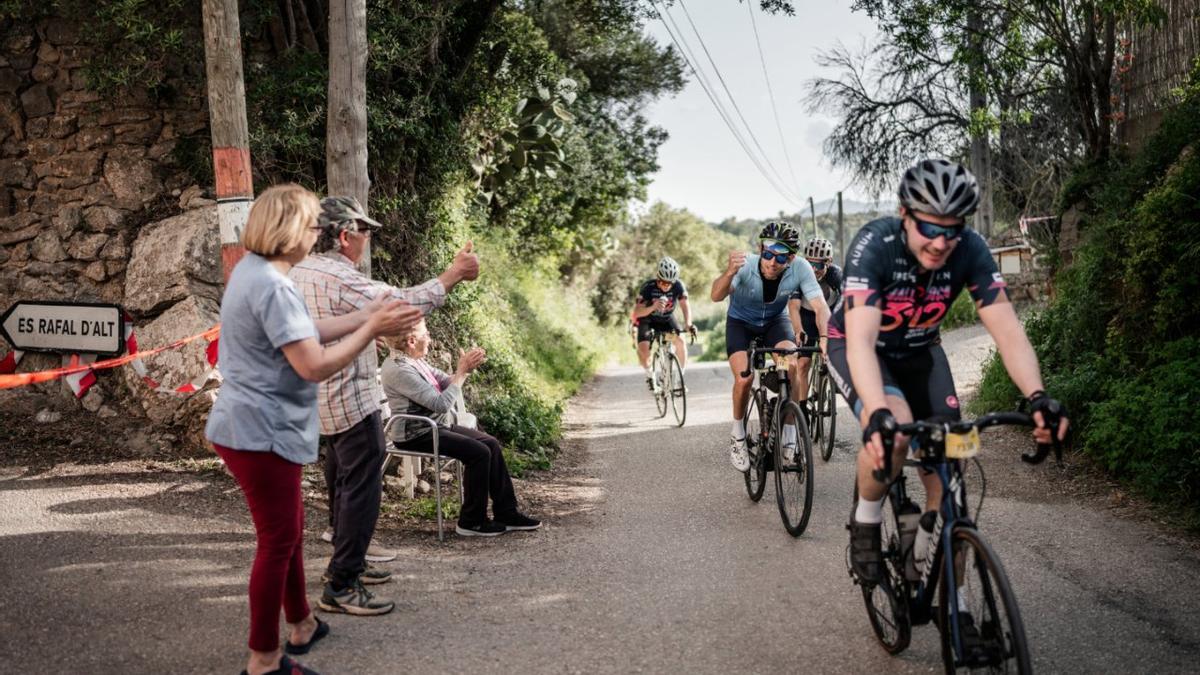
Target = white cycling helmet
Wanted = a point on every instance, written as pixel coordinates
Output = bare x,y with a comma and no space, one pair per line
818,249
939,187
668,269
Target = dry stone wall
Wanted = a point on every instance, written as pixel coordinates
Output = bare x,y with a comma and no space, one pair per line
94,207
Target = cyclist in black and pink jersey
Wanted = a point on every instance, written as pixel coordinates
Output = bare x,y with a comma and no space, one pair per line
654,309
885,354
819,254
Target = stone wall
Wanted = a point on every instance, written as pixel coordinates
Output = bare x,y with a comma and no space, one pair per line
84,180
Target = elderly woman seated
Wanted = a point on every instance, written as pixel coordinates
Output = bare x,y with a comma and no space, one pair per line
415,387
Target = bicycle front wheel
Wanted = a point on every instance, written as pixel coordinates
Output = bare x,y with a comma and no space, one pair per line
977,611
756,476
887,601
678,391
793,468
826,413
659,371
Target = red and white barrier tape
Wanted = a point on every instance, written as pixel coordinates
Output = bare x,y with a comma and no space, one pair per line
79,371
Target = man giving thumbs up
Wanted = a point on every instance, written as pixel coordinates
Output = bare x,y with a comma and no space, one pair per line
349,402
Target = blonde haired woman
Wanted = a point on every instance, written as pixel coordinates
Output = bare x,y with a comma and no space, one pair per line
264,423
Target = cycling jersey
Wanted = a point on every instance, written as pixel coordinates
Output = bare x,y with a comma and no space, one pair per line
746,302
831,287
882,272
650,293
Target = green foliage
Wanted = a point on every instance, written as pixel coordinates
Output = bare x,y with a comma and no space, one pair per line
961,313
1118,343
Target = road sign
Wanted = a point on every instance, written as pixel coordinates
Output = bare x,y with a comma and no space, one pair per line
78,328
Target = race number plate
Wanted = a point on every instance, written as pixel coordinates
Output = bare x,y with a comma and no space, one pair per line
962,446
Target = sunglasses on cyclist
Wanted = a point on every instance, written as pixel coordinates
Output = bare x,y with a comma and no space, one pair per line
778,256
933,230
818,266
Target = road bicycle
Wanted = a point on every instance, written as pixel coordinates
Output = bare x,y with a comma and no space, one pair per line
822,401
667,382
976,610
772,419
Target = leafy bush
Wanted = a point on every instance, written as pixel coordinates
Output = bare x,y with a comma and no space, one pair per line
961,313
1118,343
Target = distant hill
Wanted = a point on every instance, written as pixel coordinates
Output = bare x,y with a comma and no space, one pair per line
852,206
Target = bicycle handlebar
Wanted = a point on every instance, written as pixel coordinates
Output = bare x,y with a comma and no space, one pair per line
925,429
786,351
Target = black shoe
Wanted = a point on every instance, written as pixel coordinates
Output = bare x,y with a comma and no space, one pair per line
488,528
321,631
866,552
518,521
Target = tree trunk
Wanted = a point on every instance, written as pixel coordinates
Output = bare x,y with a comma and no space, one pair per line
227,122
981,155
346,134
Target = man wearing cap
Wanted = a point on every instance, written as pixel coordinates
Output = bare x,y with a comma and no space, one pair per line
349,402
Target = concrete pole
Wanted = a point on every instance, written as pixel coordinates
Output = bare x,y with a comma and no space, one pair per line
841,231
227,121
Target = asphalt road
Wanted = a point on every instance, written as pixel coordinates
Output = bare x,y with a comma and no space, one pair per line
652,560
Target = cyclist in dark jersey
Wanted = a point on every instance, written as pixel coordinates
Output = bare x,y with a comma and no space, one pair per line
885,354
655,310
819,254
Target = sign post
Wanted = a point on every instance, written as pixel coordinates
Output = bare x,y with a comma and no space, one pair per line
65,327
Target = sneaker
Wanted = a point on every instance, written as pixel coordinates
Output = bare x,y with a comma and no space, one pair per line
738,457
354,599
375,575
488,528
377,553
518,521
866,552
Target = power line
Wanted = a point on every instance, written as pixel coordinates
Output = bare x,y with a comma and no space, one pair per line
689,58
771,93
729,94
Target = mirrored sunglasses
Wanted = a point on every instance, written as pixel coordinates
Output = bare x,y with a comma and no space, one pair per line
933,230
778,256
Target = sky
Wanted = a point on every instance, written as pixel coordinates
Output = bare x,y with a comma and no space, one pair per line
702,167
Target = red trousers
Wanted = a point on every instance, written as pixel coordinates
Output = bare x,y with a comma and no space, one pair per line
272,488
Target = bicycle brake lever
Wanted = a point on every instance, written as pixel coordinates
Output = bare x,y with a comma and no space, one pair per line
1039,455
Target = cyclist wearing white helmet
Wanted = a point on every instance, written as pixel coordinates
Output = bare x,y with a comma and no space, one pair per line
759,288
819,254
885,354
654,309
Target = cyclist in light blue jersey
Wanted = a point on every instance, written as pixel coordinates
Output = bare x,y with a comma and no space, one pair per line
759,287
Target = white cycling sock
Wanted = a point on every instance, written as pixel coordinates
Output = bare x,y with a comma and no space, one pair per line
869,512
789,435
738,430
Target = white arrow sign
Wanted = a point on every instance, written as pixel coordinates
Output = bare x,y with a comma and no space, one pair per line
65,327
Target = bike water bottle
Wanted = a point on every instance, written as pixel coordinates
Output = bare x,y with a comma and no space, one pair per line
909,514
915,563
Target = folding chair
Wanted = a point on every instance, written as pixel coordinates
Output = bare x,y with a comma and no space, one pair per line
435,455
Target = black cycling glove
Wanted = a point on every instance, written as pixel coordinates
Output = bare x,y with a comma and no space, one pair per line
881,421
1052,410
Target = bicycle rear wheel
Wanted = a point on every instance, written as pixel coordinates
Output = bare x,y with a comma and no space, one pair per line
678,390
826,413
660,385
985,630
887,601
793,477
756,476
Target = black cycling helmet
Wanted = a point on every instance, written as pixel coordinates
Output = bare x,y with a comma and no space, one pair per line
783,232
939,187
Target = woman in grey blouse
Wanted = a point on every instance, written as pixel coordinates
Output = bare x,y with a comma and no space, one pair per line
415,387
264,423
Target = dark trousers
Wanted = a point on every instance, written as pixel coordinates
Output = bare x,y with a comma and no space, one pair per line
272,488
353,461
484,471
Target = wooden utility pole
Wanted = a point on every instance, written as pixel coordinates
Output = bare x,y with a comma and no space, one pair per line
981,154
227,121
346,126
813,210
841,231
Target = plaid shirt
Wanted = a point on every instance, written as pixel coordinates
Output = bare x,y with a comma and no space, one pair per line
332,286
